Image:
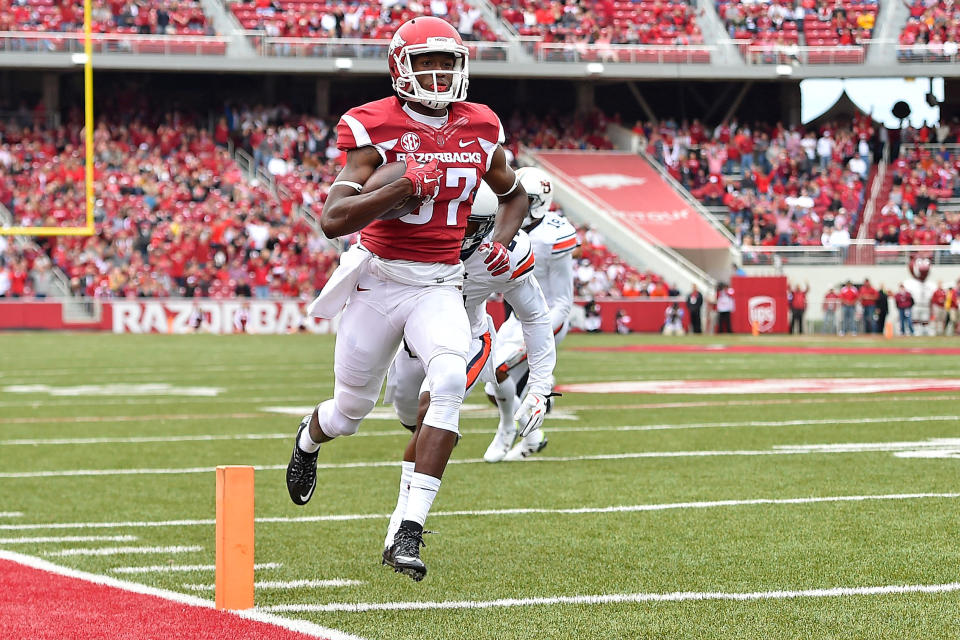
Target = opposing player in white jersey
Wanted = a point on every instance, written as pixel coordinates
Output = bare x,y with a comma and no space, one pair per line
553,240
402,280
519,287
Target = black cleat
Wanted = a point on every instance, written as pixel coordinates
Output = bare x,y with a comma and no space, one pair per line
405,552
387,558
302,469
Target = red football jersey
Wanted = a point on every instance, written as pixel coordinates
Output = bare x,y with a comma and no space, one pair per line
463,144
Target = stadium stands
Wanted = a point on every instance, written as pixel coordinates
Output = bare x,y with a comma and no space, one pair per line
175,215
773,32
371,20
924,179
778,186
611,22
931,33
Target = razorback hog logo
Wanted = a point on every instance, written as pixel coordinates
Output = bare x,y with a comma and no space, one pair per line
410,141
763,311
920,267
610,180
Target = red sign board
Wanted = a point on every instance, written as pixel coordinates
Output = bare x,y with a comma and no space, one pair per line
760,300
633,192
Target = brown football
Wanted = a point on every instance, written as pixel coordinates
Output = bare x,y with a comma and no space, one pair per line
384,175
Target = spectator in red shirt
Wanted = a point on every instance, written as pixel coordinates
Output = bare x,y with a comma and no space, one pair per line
904,305
798,305
868,301
831,303
848,302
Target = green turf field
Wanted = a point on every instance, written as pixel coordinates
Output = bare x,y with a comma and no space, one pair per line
716,535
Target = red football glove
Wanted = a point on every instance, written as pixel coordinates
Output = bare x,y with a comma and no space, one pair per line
498,258
424,177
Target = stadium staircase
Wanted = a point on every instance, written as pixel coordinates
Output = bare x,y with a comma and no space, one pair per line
226,24
890,20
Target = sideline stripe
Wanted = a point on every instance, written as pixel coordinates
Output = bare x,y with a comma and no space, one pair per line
405,434
25,540
301,626
292,584
908,397
154,418
113,551
489,512
164,568
617,598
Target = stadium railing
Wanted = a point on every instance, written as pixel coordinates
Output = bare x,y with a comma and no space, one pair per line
940,52
132,43
622,53
355,47
863,252
775,53
900,254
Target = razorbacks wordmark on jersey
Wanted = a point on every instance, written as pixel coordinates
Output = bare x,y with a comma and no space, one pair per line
463,142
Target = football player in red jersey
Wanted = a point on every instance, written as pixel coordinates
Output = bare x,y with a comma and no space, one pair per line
403,279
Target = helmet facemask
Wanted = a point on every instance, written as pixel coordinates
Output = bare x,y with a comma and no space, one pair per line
407,83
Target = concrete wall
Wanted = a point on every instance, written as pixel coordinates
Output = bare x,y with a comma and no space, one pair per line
822,277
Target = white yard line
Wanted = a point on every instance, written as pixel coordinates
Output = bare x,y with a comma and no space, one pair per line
783,450
48,539
617,598
292,584
708,504
113,551
396,433
302,626
168,568
11,514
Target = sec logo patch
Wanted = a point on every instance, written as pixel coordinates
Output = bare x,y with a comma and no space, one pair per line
410,142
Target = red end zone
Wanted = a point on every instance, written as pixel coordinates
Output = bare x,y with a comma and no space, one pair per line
771,385
39,600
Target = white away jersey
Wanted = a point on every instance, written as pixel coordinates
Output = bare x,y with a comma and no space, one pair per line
553,242
519,288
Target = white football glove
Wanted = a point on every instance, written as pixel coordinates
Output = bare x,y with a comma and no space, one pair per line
530,415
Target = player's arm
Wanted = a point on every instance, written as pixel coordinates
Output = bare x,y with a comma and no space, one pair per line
513,199
347,210
532,311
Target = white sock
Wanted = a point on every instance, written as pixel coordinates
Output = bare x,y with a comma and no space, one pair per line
423,489
306,443
506,395
406,473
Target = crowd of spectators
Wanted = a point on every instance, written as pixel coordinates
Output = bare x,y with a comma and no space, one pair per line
174,214
566,131
650,22
341,19
789,23
780,186
600,273
934,23
923,177
163,17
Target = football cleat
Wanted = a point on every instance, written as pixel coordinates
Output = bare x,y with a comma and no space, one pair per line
405,553
534,443
502,441
302,469
387,557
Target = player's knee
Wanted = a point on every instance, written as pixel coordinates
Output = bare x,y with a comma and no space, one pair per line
447,378
343,416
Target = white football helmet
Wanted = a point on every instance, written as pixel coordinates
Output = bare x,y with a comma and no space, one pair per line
539,187
483,212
